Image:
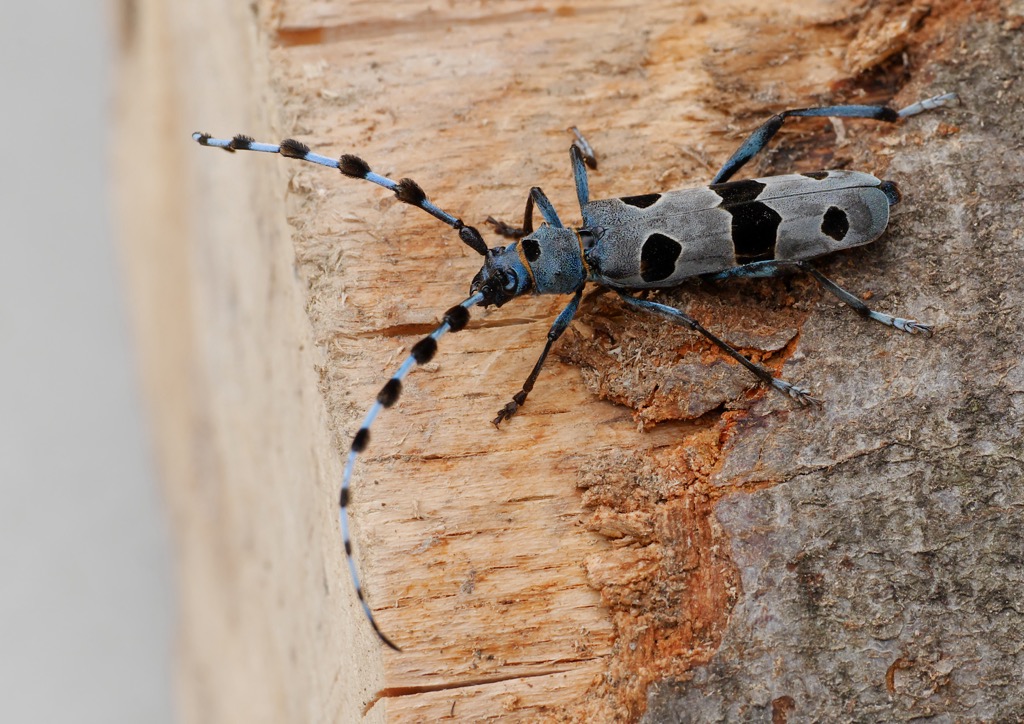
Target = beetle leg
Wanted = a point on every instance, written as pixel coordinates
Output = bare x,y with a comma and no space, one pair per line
904,325
757,140
547,212
799,394
774,267
579,173
559,326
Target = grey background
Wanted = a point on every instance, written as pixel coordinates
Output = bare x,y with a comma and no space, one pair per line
86,607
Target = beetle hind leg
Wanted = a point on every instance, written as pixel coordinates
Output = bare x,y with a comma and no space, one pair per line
929,104
910,326
775,267
799,394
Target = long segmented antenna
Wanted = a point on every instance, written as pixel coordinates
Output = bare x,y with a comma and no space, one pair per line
455,319
422,352
406,190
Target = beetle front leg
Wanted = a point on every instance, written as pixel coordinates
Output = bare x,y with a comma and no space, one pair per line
799,394
559,326
515,232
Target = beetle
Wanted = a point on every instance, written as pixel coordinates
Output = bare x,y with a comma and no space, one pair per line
749,228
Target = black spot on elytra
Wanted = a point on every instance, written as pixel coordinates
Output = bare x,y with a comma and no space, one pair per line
738,192
816,175
658,257
755,228
531,248
642,201
835,223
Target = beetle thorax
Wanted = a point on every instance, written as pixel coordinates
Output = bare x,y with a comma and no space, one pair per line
555,259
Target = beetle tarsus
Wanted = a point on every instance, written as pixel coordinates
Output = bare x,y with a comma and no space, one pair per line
801,394
505,413
911,326
503,229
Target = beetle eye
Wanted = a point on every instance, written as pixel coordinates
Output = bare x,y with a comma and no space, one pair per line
510,282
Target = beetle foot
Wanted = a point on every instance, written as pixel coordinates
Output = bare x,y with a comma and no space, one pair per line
911,326
503,229
510,409
505,413
800,394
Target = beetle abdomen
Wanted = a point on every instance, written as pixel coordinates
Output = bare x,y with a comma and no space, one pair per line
659,240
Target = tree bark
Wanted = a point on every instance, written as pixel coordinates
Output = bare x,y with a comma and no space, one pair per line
652,535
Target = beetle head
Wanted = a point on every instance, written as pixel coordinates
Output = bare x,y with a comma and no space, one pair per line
502,277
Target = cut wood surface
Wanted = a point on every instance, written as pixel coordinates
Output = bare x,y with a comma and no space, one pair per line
652,535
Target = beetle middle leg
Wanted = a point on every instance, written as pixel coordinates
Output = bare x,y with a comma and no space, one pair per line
799,394
775,267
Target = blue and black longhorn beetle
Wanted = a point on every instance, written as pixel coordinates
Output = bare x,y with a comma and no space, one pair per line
753,228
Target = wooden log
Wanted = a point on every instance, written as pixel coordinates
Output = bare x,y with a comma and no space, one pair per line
273,299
